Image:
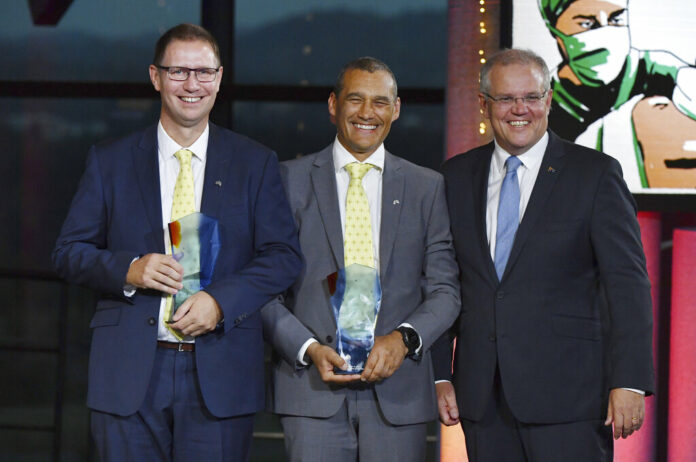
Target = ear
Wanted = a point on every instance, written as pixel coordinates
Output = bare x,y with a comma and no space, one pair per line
218,80
155,77
332,107
397,109
483,105
549,99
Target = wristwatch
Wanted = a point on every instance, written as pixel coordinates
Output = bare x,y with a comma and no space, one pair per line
410,338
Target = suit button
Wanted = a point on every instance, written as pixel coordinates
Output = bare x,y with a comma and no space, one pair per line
491,338
500,295
329,339
151,321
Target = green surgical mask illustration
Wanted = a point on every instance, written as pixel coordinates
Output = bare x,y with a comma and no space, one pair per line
596,56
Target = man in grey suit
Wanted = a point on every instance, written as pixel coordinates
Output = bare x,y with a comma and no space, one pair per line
384,410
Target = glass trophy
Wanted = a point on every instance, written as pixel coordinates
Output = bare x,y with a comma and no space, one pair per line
356,295
195,245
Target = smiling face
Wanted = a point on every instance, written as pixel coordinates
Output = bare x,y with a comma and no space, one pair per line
364,111
517,127
186,104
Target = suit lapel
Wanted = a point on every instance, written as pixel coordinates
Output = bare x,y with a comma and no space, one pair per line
215,167
551,167
324,185
480,185
146,168
392,200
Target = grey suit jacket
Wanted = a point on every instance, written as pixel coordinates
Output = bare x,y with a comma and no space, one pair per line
418,275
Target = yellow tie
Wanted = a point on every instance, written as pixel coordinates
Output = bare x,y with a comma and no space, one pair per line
357,243
183,203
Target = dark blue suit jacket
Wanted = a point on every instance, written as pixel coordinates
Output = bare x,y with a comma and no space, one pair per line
116,216
571,317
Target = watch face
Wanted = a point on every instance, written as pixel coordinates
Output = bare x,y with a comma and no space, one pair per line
410,338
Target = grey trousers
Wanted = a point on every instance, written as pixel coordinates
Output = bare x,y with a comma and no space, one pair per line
357,432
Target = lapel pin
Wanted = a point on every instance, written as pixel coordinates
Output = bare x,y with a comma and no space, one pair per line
218,183
551,170
396,202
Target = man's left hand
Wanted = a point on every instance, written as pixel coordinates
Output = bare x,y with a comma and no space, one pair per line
626,410
200,313
385,358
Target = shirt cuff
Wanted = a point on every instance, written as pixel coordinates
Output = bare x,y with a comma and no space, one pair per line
640,392
303,350
129,289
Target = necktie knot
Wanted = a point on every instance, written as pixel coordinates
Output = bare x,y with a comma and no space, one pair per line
512,163
183,156
357,171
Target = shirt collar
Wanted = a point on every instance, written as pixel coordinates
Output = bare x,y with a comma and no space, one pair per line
530,159
167,146
341,157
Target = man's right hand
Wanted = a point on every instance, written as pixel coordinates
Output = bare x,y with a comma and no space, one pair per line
325,359
447,403
156,271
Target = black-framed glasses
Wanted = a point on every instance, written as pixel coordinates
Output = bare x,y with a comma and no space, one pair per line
178,73
532,99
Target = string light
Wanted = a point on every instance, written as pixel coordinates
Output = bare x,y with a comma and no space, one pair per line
482,54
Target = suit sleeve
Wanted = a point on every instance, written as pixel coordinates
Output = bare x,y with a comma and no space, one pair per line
81,254
440,283
615,235
277,259
283,331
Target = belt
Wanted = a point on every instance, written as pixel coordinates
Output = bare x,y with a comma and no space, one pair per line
177,346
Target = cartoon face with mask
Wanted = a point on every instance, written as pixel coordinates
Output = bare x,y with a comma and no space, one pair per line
592,35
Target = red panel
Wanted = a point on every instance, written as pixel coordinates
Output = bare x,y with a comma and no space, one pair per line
641,446
682,363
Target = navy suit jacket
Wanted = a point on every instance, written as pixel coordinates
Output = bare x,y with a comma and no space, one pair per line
116,216
571,317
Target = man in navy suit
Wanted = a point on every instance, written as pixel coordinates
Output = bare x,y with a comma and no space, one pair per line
186,389
554,336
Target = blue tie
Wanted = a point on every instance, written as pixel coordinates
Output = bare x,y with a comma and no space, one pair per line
508,215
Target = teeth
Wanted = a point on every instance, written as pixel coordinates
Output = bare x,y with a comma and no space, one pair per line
190,99
518,123
366,127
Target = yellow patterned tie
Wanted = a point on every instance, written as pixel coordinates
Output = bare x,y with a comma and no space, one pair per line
357,243
183,203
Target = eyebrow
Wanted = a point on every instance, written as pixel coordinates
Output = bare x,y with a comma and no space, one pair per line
617,13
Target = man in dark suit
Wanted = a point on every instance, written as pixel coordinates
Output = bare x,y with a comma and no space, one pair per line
554,336
164,390
381,413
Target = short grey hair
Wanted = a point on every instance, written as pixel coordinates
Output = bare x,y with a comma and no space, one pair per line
513,56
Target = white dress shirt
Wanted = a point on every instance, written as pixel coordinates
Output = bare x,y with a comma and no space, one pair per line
169,171
372,183
526,175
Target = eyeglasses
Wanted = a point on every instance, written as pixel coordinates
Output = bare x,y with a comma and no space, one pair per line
203,74
532,99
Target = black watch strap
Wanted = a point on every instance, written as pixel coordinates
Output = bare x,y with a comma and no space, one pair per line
410,338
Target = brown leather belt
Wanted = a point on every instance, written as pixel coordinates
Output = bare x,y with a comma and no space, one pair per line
177,346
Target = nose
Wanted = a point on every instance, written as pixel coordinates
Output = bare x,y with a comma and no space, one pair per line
519,106
192,83
365,111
